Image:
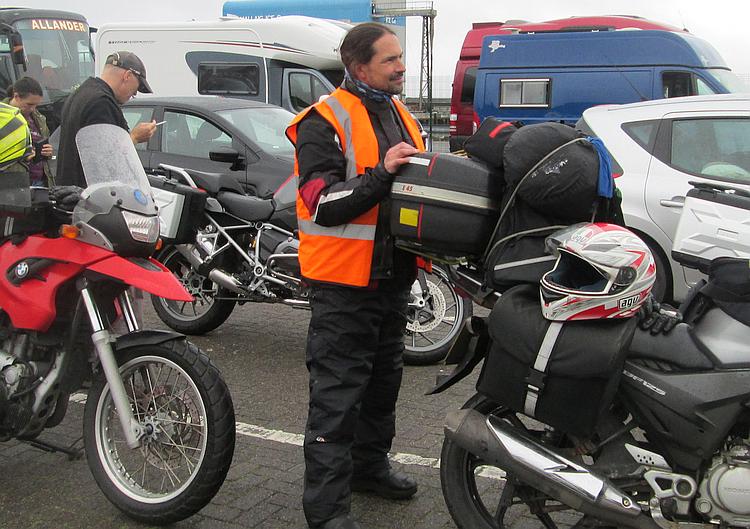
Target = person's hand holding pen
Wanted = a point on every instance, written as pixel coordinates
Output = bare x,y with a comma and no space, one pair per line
143,131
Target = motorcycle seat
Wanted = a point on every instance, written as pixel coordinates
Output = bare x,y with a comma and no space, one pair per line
678,347
246,207
215,182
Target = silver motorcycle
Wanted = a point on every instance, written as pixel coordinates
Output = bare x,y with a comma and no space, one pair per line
243,249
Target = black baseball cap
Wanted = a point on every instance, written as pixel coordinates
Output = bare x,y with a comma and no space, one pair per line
129,61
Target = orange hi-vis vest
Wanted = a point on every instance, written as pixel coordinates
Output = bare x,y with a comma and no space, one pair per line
343,254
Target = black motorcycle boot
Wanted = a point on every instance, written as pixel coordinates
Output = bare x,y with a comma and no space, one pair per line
392,485
341,522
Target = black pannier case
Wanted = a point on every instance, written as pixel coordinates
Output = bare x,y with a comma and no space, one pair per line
27,220
581,376
445,205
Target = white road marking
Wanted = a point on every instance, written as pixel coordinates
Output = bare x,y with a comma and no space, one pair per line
296,439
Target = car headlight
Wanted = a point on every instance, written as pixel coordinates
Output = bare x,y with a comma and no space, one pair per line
142,228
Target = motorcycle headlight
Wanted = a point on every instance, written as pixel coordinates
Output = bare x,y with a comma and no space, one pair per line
142,228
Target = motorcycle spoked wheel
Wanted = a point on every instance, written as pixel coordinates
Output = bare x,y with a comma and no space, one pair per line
482,496
182,461
205,313
430,331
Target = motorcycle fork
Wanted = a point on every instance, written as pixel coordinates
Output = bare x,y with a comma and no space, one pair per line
102,339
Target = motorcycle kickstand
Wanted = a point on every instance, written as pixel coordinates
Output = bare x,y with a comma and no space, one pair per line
71,451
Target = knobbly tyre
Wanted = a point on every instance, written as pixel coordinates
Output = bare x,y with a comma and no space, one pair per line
231,248
158,425
660,439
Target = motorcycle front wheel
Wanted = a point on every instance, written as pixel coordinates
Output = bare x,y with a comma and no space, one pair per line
180,398
482,496
434,318
206,312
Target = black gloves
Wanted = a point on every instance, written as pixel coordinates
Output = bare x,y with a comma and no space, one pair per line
66,196
657,318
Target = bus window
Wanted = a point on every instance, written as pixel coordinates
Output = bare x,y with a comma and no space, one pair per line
58,54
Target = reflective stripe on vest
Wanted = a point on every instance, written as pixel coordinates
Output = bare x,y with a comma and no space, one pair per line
343,254
360,232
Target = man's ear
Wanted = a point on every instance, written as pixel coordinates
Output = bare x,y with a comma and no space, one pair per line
358,71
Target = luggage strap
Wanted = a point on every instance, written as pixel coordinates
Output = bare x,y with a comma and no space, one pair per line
537,373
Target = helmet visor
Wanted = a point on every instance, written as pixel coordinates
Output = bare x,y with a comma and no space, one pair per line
572,274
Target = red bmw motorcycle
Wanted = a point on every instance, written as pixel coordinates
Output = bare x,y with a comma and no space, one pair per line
158,425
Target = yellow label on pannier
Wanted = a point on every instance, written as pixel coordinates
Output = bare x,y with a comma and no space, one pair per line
409,217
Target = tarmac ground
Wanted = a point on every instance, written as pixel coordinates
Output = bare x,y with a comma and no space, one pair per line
260,351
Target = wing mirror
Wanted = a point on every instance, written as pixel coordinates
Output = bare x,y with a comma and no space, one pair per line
15,42
224,154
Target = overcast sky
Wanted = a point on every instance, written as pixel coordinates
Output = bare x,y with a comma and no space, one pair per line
724,23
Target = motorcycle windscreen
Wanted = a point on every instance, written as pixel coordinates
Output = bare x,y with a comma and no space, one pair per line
108,156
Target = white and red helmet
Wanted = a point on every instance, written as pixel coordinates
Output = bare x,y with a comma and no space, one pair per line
602,271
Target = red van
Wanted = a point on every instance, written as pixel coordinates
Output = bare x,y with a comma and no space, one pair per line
463,120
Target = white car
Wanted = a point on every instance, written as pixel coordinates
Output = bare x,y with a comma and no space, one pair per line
658,147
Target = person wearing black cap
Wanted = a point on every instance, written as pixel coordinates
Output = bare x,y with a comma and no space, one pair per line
98,100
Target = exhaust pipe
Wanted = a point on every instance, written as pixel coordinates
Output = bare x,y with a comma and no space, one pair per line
219,277
502,445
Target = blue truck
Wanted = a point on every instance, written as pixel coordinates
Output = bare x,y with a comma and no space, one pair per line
556,76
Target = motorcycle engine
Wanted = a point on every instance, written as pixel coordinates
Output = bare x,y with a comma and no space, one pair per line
724,493
274,243
14,377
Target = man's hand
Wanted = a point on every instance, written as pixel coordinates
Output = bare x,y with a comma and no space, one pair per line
47,150
31,156
143,132
397,156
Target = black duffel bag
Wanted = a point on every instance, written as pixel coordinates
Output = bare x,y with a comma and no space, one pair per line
563,181
530,144
579,379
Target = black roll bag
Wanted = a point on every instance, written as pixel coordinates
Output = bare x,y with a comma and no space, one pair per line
564,374
445,205
487,144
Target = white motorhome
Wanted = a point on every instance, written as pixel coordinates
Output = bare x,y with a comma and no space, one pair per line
288,61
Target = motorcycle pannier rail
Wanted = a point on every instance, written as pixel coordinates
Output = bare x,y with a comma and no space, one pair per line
538,367
180,209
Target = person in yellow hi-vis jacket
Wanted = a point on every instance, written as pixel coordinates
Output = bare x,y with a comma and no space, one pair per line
15,137
348,147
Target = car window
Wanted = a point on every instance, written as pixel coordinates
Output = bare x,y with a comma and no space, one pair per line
713,148
470,82
702,88
643,132
135,115
305,89
191,135
264,126
677,84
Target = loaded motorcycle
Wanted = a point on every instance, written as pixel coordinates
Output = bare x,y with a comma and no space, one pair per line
158,424
599,430
231,248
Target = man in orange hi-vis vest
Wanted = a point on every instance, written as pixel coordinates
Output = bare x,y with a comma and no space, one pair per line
348,147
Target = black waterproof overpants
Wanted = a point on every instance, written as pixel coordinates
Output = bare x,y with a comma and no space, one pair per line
354,355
